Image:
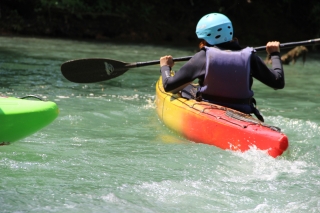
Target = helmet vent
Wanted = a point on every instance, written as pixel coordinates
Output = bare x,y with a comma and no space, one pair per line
209,34
218,36
230,33
229,27
219,29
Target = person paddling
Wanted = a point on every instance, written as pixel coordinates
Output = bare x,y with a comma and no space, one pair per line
225,71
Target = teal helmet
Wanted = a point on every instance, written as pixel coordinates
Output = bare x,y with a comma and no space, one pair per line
214,28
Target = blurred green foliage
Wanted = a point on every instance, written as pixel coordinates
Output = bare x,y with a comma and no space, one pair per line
77,7
255,21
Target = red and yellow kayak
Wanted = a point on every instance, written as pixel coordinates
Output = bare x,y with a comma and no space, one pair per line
212,124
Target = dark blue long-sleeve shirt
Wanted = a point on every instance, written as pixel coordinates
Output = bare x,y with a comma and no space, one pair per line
196,68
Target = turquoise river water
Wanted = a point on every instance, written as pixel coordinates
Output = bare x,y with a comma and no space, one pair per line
108,152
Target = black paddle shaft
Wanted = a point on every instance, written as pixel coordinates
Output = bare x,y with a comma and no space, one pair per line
186,58
147,63
92,70
293,44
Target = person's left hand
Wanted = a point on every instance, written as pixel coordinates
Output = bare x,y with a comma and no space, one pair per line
273,46
166,60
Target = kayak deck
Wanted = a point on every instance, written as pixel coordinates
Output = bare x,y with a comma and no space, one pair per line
21,117
216,125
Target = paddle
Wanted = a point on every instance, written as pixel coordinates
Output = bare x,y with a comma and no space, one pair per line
91,70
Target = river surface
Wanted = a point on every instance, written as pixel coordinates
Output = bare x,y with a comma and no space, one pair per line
108,152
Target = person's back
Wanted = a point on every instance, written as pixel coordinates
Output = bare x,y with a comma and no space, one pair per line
227,77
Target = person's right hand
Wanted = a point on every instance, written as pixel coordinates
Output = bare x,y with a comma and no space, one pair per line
166,60
273,46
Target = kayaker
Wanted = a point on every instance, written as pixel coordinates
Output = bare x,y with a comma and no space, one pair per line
224,69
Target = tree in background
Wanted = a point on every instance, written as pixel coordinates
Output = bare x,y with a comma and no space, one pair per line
255,21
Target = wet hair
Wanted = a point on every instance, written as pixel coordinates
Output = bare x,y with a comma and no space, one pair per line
230,45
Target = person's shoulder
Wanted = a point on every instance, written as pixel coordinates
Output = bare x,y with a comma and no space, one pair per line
199,57
200,53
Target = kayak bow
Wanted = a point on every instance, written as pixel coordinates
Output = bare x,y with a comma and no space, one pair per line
20,118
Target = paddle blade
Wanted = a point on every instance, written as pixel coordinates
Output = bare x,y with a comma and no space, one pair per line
92,70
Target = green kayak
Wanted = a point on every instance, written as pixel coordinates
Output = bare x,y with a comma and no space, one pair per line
20,118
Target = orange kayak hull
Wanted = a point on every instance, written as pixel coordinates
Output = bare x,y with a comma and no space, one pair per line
207,123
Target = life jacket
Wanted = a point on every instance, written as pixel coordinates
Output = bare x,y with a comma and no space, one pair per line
227,79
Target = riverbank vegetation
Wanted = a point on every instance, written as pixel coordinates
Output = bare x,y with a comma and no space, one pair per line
255,21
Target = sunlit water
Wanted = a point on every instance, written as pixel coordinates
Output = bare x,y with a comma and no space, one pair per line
108,152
